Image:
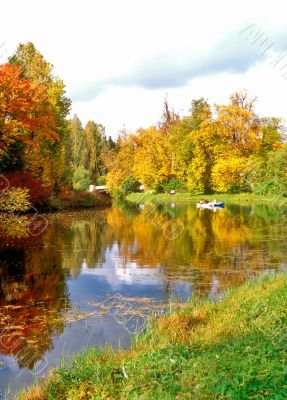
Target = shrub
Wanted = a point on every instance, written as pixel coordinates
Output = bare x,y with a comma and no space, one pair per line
158,188
83,199
14,226
264,187
130,185
70,200
118,194
173,184
38,193
81,179
15,200
101,181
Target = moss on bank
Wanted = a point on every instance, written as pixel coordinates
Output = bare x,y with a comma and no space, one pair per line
235,349
187,197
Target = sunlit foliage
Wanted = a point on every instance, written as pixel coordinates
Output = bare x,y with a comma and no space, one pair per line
204,152
15,199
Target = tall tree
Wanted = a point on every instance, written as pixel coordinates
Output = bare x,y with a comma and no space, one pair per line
37,69
119,161
25,110
153,157
97,144
169,116
200,111
76,149
203,137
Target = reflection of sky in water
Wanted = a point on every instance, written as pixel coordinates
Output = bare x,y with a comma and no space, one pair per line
117,272
113,276
216,250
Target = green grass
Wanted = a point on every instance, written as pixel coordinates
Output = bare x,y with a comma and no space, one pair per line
187,197
235,349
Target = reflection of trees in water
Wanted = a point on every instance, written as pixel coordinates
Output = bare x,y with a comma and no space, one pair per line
13,226
228,244
33,293
215,250
31,299
81,239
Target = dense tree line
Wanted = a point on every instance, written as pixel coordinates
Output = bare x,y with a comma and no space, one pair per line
228,150
37,138
85,149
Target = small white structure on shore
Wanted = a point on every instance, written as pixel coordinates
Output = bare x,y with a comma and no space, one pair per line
94,188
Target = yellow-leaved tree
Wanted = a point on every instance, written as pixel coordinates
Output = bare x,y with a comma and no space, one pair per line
153,157
238,126
119,161
203,139
240,134
229,174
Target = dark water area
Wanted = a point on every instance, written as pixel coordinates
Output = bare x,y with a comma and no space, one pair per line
93,277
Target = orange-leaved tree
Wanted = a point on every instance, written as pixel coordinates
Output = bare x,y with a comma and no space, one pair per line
25,111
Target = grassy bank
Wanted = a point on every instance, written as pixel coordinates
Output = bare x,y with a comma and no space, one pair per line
232,350
187,197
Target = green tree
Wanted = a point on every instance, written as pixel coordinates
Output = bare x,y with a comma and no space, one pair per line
76,149
275,178
273,133
97,145
81,179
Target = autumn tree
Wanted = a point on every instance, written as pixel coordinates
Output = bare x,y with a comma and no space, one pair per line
182,147
119,161
240,133
25,111
169,116
242,100
204,137
48,161
153,157
199,111
239,128
229,175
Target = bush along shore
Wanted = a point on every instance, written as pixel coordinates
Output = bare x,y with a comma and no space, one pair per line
21,193
235,349
78,200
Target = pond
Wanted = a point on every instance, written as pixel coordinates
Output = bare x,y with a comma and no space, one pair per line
93,277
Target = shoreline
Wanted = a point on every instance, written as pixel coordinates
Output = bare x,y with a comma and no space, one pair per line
190,198
232,349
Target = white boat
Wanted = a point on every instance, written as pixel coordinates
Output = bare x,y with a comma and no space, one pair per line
211,205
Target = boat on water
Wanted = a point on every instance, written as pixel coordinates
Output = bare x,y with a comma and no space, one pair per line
210,205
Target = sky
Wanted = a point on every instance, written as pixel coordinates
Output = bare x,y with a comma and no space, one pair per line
119,59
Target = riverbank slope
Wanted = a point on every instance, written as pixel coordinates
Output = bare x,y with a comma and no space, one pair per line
235,349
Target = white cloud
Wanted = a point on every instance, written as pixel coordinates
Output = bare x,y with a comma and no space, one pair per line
118,59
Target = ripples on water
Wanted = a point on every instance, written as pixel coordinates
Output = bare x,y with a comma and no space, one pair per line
93,276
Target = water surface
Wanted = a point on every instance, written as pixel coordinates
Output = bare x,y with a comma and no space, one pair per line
92,277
